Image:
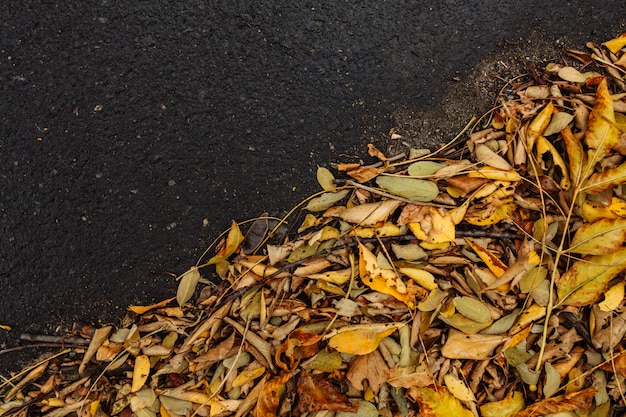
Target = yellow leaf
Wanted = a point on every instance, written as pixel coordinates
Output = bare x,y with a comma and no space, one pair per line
601,181
508,407
494,264
495,174
576,156
361,339
326,179
613,297
233,240
616,44
271,396
593,211
248,375
458,388
385,281
434,228
587,279
538,126
602,135
545,147
423,278
489,216
143,309
601,237
436,401
141,371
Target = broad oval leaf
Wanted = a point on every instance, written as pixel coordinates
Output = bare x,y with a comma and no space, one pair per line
424,168
473,309
559,122
187,285
326,179
571,74
326,200
471,346
602,135
410,188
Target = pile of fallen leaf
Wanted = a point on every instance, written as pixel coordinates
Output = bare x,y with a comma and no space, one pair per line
483,279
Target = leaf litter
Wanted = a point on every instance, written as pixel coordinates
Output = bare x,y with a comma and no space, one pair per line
482,279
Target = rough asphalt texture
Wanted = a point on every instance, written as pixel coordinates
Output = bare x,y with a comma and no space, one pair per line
131,134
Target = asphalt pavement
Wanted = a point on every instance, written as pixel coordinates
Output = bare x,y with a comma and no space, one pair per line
132,133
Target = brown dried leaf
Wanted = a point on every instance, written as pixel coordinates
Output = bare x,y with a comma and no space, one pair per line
580,400
316,393
370,367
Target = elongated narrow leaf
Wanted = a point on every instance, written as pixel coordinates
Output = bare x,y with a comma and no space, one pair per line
538,126
602,135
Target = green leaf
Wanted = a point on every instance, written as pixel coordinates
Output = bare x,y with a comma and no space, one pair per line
410,188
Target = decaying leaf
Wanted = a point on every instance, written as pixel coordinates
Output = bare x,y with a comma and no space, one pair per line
316,393
436,401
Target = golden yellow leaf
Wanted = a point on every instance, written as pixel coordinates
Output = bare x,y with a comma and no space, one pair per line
491,215
248,375
436,401
233,240
495,174
601,237
508,407
458,388
576,155
423,278
616,44
385,281
592,211
538,126
494,264
587,279
271,396
613,297
434,227
602,135
543,147
141,371
361,339
601,181
143,309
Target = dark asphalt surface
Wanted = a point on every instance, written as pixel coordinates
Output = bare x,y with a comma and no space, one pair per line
131,133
